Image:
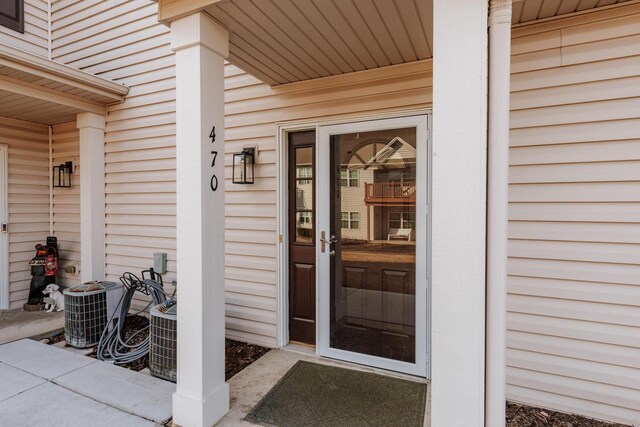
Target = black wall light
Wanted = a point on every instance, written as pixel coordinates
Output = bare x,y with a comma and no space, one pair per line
243,166
62,175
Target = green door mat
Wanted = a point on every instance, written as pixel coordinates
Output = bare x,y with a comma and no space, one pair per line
319,395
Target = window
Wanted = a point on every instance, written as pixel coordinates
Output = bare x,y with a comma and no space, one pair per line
350,220
401,220
304,218
304,172
12,14
349,178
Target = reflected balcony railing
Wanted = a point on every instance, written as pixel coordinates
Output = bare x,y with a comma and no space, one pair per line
386,193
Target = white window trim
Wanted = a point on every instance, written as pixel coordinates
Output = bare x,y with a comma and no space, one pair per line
350,220
349,177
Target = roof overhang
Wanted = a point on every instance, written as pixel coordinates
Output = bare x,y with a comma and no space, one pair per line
285,41
39,90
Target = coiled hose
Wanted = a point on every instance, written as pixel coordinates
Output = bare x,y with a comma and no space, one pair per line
113,347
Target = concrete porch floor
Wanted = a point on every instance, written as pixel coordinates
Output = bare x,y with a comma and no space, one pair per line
16,324
43,385
254,382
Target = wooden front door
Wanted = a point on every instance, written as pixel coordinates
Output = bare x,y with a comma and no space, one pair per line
302,245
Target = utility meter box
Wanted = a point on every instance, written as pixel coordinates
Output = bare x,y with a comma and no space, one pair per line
160,262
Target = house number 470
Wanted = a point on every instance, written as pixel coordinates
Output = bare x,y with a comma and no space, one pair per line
214,155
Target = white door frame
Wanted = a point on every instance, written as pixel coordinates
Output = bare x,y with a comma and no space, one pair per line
323,219
4,217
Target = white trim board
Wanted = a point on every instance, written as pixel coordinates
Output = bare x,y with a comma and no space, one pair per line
4,217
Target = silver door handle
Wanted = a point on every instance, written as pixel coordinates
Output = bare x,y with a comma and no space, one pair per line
324,241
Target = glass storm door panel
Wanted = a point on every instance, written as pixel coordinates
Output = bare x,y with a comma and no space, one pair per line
373,268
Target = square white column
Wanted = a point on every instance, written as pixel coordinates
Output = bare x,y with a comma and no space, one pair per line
201,46
92,198
459,212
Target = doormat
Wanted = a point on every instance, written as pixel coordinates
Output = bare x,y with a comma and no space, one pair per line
311,394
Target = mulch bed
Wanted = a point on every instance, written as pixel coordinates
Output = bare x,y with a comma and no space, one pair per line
527,416
239,355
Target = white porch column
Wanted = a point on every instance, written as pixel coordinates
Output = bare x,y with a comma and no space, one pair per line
497,207
201,45
92,200
459,212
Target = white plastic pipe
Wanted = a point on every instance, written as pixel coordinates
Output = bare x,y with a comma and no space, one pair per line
497,208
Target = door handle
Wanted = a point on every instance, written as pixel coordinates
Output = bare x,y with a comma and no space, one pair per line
324,241
5,227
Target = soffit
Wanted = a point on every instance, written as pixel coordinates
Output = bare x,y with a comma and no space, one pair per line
36,89
284,41
532,10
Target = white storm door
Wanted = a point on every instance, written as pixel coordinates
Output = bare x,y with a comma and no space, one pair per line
372,207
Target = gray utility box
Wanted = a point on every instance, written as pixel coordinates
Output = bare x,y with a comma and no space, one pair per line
88,308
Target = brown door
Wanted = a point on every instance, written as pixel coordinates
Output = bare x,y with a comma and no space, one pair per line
302,248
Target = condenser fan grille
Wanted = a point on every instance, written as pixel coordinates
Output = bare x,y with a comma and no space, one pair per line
85,317
163,352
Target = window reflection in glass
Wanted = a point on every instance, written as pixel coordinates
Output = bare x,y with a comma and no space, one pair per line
373,269
303,162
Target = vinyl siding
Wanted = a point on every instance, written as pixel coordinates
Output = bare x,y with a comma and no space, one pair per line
35,38
252,113
28,159
122,41
574,232
125,43
66,201
574,304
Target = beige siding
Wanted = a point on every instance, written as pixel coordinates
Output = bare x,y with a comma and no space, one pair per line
574,305
35,38
66,201
574,249
252,111
28,199
125,43
122,41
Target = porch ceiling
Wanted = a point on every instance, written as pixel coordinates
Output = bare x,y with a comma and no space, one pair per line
39,90
284,41
531,10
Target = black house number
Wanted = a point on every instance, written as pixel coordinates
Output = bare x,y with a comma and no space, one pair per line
213,183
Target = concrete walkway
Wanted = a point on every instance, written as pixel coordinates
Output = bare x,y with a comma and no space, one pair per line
16,324
43,385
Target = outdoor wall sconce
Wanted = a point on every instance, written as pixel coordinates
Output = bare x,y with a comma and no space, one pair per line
243,166
62,175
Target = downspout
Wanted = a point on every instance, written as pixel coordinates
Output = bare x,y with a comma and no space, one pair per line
49,44
497,210
50,180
